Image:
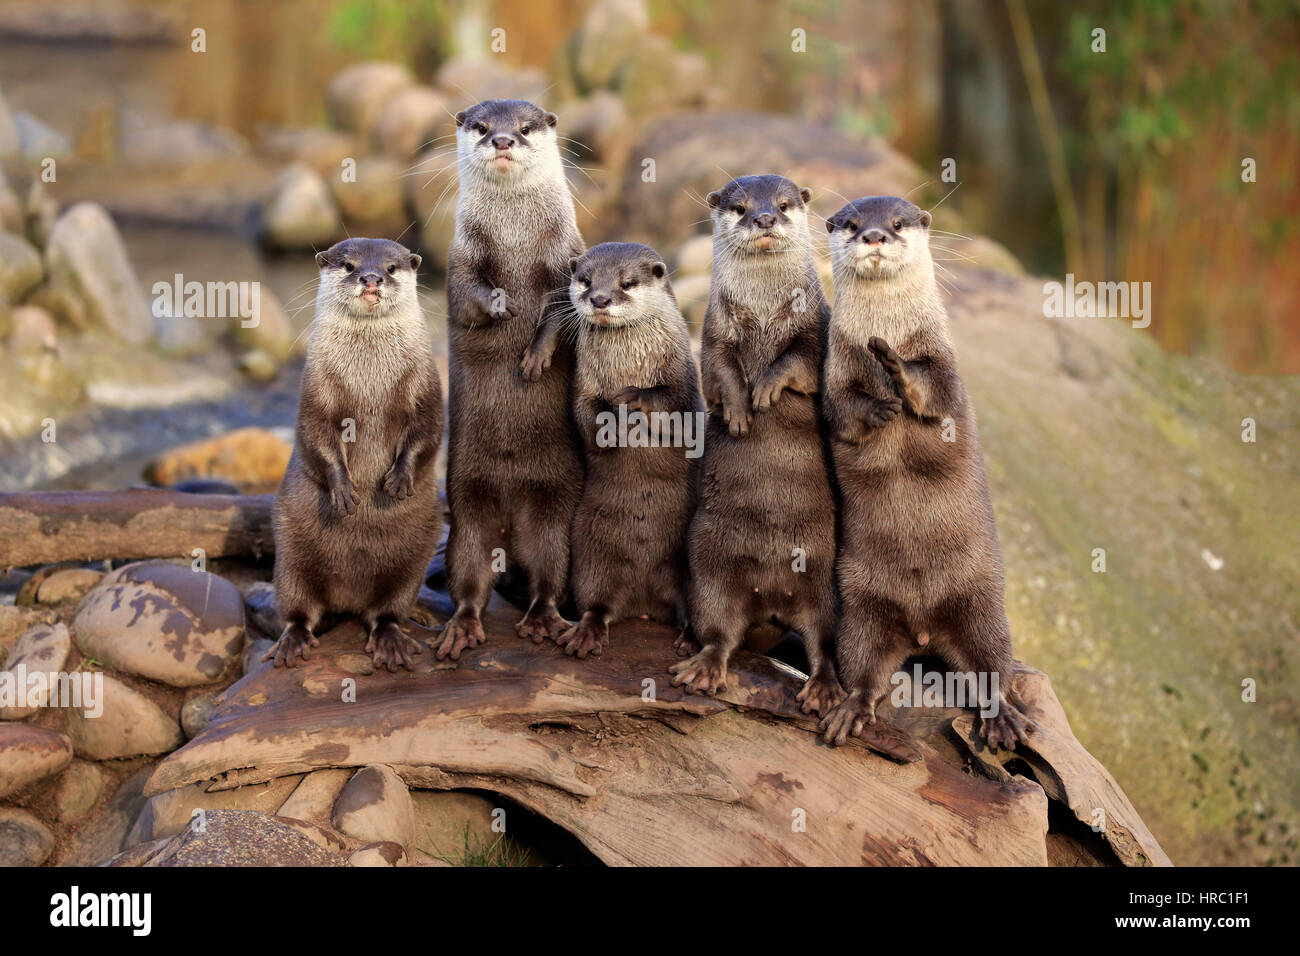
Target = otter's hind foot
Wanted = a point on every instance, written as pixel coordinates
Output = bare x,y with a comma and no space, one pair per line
847,718
585,637
458,634
1009,728
542,622
686,645
821,693
296,642
705,673
390,647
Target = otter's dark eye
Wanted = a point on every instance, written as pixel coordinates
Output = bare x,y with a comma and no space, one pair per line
851,226
628,284
525,130
480,128
392,270
584,282
738,209
349,267
784,206
898,223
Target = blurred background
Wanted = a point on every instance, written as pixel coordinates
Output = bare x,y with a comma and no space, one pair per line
223,141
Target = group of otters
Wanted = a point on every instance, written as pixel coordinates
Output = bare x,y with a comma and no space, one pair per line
840,494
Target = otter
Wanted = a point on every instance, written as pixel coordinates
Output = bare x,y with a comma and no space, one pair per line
919,564
514,467
356,518
762,542
634,365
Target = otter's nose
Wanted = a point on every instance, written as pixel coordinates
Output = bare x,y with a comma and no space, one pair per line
874,237
765,220
600,301
372,279
502,142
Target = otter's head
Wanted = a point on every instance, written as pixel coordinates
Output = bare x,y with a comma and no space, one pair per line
760,215
367,278
506,140
879,237
619,284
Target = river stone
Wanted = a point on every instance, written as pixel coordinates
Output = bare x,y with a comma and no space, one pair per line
241,838
357,94
77,791
86,259
273,331
379,854
315,795
412,119
197,711
253,654
130,725
11,207
44,648
20,267
300,213
610,33
24,840
67,584
376,195
166,814
29,754
375,807
467,79
32,330
163,621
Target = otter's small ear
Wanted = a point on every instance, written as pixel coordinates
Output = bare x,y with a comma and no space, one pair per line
713,199
415,261
659,270
551,120
573,264
806,195
322,260
830,225
460,119
925,219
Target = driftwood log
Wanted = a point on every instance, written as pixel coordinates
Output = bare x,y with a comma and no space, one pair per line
45,527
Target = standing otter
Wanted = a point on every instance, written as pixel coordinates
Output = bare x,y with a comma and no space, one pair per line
356,518
514,471
919,561
634,365
762,542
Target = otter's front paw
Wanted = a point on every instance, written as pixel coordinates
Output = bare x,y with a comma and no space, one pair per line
882,411
535,362
766,393
458,634
343,496
295,642
399,482
848,718
495,304
585,637
821,693
631,397
705,673
888,357
737,418
1009,728
390,647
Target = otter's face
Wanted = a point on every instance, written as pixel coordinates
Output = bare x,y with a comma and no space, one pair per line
366,278
758,215
616,283
878,237
505,139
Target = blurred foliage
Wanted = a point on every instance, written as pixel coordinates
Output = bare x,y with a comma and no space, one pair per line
415,32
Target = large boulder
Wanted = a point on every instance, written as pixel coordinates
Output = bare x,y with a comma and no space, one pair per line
21,268
86,260
465,80
357,95
412,119
43,649
130,725
610,33
234,838
29,754
300,212
373,200
163,621
374,807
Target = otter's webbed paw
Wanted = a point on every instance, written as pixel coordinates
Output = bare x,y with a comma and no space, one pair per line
888,358
585,637
458,634
767,391
820,694
737,417
1009,728
848,718
631,397
705,673
496,305
343,495
399,482
881,411
686,645
535,362
542,623
296,642
390,647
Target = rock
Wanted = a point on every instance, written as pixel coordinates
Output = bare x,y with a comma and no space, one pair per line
695,256
43,649
375,198
11,208
163,621
314,797
40,212
610,33
379,854
692,294
98,839
29,754
657,77
272,332
260,611
469,79
259,366
197,711
153,142
375,806
447,820
38,141
169,813
67,584
77,791
14,621
9,145
130,725
431,193
323,837
358,93
241,838
181,335
413,119
86,259
20,267
300,212
31,331
254,653
252,458
595,128
24,840
324,150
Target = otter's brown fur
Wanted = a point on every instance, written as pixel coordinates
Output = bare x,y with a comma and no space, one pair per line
356,517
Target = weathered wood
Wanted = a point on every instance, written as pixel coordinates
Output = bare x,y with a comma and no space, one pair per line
44,527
